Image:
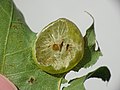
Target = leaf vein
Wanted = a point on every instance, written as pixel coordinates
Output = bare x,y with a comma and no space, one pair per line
3,9
17,51
21,72
6,40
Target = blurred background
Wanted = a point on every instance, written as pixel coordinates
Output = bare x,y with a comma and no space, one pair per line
39,13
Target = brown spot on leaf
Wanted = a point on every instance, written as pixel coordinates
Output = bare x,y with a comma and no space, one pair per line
31,80
14,26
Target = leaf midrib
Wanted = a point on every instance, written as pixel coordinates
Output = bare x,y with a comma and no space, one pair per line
6,39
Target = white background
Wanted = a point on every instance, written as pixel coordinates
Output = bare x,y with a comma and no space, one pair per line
39,13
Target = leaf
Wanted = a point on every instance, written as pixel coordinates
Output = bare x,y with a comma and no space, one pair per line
91,55
78,83
16,54
63,81
16,58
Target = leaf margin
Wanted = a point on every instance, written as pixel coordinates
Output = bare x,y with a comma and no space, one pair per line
103,70
91,54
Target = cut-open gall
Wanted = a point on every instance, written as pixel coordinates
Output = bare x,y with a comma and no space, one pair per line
59,47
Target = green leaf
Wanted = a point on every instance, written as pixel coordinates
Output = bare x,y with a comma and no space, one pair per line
16,59
78,83
63,81
91,54
16,54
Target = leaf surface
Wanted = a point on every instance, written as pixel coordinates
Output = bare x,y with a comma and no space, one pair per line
16,59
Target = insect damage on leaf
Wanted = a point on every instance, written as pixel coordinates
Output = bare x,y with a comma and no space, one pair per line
60,39
78,83
92,50
31,80
59,46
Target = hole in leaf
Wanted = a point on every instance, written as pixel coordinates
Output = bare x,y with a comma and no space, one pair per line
96,46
